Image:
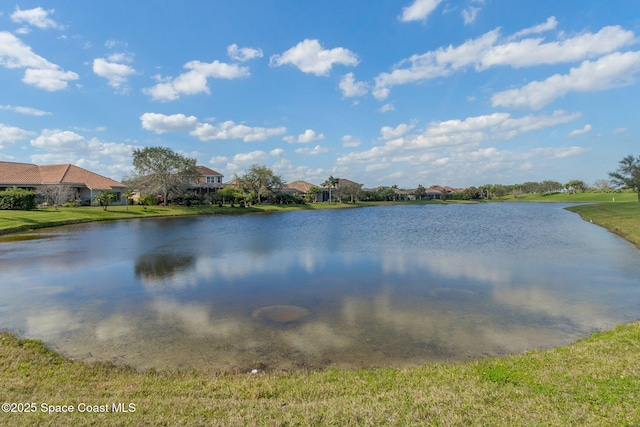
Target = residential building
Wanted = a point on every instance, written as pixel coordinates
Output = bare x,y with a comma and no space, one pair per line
209,181
86,184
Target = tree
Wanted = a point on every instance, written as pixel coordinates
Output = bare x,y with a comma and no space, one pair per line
385,193
602,185
420,192
628,174
331,183
105,198
162,171
575,186
57,194
549,186
471,193
394,187
312,194
260,182
128,194
349,190
231,194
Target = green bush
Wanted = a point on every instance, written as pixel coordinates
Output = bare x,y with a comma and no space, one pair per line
17,199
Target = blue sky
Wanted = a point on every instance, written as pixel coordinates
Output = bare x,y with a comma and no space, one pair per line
383,92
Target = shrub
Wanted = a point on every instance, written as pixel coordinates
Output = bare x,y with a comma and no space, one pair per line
17,199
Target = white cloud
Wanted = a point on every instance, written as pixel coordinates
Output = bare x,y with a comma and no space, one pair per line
216,160
351,88
39,72
586,129
116,73
112,44
310,57
161,123
242,160
452,135
37,17
69,147
309,135
549,25
243,54
619,130
10,134
613,70
350,141
387,132
486,51
312,151
419,10
386,107
25,110
376,167
438,63
194,81
58,140
230,130
49,80
532,51
469,14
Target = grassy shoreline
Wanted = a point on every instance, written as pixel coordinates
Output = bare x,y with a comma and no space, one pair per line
595,381
18,221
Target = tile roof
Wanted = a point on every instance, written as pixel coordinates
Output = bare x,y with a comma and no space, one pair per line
23,173
205,171
19,173
300,185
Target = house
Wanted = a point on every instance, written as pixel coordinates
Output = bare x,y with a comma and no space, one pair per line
209,180
86,184
301,188
209,176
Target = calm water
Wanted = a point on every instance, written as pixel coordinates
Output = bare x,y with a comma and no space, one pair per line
396,286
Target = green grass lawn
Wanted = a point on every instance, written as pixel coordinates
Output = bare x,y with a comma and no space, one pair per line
620,218
595,381
14,221
586,197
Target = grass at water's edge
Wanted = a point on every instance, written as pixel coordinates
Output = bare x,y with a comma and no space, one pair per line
622,219
17,221
595,381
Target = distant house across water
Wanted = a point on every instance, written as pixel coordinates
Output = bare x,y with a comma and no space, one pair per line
85,184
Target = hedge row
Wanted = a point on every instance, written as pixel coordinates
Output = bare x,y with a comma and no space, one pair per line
17,199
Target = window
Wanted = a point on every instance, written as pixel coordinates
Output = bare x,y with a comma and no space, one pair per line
214,179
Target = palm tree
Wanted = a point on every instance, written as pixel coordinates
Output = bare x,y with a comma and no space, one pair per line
330,183
128,194
105,198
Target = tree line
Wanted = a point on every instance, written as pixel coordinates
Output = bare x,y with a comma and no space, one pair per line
159,170
162,175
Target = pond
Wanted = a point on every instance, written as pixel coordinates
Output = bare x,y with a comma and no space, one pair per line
376,286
